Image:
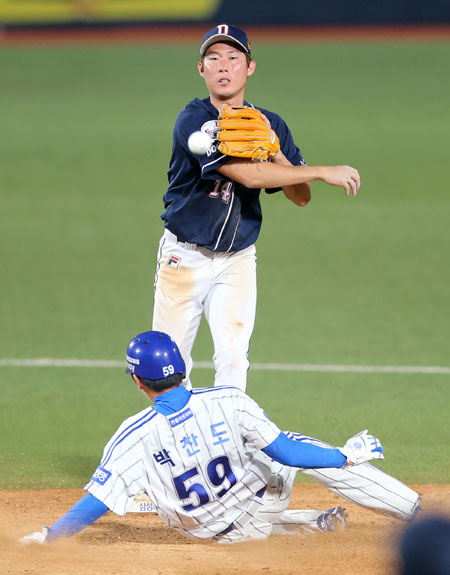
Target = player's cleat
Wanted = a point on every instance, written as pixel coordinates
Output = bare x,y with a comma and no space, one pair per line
416,510
332,519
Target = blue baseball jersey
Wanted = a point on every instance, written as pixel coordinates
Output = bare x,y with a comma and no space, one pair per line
201,205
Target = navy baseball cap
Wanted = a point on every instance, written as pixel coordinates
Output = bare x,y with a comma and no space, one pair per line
225,33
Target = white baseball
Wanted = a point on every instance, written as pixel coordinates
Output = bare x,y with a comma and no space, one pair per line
199,143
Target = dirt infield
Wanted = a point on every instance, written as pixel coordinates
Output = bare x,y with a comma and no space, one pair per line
176,33
138,543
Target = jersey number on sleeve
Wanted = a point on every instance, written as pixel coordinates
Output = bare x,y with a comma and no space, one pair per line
218,471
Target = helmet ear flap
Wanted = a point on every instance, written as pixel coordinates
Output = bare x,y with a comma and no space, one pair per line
154,355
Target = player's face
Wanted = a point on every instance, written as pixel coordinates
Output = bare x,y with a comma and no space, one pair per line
225,70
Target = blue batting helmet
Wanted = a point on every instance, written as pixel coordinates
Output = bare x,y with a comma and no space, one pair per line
154,355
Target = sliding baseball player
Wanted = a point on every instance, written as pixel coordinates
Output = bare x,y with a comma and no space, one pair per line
216,467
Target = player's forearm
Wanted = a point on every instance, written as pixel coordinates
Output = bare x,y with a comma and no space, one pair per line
275,175
300,194
303,454
87,510
269,174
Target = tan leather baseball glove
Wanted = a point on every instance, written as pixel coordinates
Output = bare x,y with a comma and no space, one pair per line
243,133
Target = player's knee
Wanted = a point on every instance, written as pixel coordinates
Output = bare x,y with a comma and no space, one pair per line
231,371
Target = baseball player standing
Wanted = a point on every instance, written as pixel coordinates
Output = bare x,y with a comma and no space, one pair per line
206,260
216,467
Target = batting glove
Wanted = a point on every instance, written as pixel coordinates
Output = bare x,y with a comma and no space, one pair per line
362,447
36,537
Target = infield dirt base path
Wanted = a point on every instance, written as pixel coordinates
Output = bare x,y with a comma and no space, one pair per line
142,544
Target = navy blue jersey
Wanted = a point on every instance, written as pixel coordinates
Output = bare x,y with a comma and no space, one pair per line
201,205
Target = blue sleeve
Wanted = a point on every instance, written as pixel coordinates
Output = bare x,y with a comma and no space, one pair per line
87,510
288,147
287,144
303,454
186,123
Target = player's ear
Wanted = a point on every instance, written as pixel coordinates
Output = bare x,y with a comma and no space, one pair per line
200,68
251,67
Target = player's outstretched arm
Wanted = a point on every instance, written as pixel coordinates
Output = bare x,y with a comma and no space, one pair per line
358,449
274,175
87,510
303,454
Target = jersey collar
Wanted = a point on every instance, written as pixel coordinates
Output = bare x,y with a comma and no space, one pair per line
172,401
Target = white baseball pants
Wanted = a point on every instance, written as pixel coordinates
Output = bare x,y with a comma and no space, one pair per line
362,484
192,280
365,485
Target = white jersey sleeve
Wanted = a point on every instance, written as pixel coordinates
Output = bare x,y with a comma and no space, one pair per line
201,466
118,478
256,428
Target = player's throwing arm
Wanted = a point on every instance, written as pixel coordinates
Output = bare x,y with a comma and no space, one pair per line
344,176
245,133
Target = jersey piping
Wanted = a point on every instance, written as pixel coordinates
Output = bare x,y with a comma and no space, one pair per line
213,162
225,223
128,431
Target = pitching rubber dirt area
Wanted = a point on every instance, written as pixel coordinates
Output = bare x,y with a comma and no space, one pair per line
141,543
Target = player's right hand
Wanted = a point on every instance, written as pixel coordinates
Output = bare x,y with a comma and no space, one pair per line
35,537
362,447
344,176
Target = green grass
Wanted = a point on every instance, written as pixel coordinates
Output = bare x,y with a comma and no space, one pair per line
85,139
56,421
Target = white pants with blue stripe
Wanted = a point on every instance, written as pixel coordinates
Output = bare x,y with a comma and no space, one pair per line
363,484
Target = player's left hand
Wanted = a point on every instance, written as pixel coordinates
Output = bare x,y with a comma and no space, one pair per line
245,132
36,537
362,447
